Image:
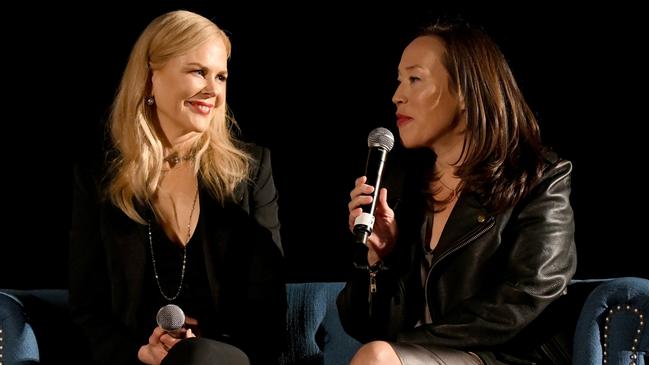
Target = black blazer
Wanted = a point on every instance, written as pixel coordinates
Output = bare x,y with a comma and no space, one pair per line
108,253
492,275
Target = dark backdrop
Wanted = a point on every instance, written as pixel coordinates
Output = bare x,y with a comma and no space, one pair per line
310,83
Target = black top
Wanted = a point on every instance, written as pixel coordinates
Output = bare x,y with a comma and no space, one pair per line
194,298
235,270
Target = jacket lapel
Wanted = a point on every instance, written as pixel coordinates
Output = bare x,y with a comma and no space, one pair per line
468,219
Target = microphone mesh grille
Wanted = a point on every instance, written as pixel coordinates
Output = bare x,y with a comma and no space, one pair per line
170,317
381,137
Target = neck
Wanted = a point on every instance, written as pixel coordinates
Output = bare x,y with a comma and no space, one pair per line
449,154
448,157
181,147
448,147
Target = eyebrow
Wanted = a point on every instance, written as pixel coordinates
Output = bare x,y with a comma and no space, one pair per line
196,64
410,68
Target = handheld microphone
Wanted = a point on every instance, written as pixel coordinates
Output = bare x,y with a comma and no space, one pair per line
380,141
171,319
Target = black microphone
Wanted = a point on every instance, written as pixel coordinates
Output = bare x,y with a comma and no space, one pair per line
380,141
171,319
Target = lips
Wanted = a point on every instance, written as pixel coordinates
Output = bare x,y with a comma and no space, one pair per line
200,107
403,119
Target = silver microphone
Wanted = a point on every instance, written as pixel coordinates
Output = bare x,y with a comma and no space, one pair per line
171,319
380,142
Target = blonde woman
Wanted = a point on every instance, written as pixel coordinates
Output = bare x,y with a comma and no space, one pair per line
183,214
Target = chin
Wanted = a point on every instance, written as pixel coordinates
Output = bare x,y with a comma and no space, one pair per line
406,144
201,125
407,141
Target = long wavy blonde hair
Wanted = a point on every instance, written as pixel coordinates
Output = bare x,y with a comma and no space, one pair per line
136,170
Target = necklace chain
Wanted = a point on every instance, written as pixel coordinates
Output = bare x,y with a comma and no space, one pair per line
453,191
182,273
174,159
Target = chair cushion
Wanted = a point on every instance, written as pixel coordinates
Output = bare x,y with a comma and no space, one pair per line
315,333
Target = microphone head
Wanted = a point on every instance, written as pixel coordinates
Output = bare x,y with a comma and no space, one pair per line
170,317
382,138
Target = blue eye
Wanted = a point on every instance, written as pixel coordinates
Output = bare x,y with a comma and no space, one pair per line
199,72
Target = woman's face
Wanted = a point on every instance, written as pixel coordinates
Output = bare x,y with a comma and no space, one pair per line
189,90
429,111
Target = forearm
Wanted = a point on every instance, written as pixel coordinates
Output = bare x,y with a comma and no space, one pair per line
490,319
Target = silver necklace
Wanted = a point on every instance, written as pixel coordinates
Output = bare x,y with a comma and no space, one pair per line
182,273
174,159
453,193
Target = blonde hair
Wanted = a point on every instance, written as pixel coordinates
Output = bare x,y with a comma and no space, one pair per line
221,163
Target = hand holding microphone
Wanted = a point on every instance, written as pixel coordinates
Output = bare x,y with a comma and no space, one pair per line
171,321
370,217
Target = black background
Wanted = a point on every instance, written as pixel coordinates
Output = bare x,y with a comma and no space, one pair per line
310,82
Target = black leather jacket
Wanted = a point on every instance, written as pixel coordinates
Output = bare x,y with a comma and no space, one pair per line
492,275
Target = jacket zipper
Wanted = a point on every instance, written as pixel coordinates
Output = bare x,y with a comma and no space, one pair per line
372,289
490,224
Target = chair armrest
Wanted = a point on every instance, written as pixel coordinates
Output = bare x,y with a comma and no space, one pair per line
613,318
17,340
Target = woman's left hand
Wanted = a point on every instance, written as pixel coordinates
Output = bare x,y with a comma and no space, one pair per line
160,342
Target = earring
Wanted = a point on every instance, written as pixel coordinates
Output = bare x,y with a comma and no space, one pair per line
149,101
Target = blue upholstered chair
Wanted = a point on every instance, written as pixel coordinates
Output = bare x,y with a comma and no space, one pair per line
17,337
612,327
315,333
36,328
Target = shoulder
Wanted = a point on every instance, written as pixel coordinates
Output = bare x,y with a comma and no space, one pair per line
259,171
554,182
256,152
555,169
260,159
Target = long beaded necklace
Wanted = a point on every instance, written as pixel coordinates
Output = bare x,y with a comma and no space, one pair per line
182,273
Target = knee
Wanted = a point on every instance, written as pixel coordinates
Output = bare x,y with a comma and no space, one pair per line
205,351
375,353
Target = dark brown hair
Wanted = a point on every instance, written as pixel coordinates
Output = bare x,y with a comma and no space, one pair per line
502,152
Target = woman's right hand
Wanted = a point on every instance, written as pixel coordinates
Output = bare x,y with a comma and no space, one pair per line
384,235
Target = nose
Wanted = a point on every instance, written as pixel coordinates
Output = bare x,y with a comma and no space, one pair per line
398,97
212,88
